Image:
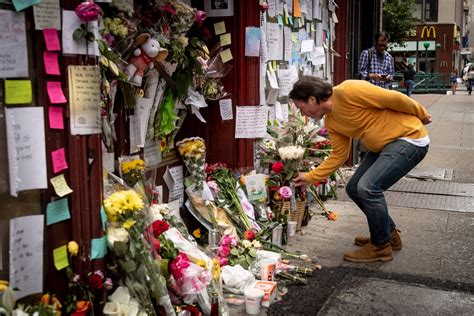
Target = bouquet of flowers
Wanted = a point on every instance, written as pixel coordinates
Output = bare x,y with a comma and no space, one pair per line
132,171
193,152
243,252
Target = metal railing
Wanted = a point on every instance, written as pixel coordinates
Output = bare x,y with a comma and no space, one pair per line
425,83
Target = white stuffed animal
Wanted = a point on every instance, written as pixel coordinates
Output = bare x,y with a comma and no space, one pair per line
143,58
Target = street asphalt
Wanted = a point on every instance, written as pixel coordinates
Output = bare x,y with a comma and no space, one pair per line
434,272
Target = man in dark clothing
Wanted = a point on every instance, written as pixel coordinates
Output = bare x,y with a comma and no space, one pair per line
409,79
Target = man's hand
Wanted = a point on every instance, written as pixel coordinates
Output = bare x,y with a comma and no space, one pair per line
427,120
299,180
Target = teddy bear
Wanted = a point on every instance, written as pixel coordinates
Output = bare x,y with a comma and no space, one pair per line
143,57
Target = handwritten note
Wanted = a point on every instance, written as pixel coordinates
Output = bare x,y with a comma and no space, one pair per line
70,46
84,97
26,255
274,41
57,211
318,56
98,247
174,180
225,106
225,39
18,92
226,55
55,92
47,15
59,160
51,64
152,153
55,114
60,257
51,39
252,41
219,28
26,149
13,51
307,46
60,185
251,121
287,37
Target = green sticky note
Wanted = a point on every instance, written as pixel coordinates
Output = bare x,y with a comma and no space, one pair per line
290,19
60,257
103,217
98,247
23,4
57,211
280,20
18,92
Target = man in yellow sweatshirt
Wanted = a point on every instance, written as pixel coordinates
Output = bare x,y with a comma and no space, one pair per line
390,125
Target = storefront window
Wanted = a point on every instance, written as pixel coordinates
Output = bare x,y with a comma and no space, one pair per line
426,10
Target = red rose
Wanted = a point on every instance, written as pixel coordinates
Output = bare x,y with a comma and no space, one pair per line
277,167
156,244
159,227
95,281
249,235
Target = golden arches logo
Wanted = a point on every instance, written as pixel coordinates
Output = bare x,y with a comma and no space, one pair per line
428,30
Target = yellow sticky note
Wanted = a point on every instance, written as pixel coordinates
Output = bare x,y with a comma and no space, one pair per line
225,39
226,55
312,27
18,92
205,49
60,185
270,66
60,257
219,28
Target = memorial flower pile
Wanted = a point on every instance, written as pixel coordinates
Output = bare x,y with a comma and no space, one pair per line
193,152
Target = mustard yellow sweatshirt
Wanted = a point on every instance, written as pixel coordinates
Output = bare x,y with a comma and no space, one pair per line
374,115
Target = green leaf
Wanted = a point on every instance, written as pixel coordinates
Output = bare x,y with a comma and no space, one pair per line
120,249
234,252
78,34
253,252
128,265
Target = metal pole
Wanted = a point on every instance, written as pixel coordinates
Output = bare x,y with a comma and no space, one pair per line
426,69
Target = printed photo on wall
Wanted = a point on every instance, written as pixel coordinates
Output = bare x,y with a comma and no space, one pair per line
252,41
219,7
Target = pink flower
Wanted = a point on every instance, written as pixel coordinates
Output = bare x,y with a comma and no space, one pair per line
285,192
223,261
223,251
178,265
200,17
213,186
225,240
108,284
233,241
323,132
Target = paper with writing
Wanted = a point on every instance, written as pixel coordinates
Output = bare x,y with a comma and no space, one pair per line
271,8
56,120
251,121
287,37
51,64
174,181
58,158
225,106
60,257
18,92
51,39
307,46
318,56
55,92
47,15
274,41
13,47
226,55
141,117
158,193
72,47
57,211
84,99
152,154
219,28
255,185
263,46
60,185
272,96
26,255
98,247
26,149
225,39
252,41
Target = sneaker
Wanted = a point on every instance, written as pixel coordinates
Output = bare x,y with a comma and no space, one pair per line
395,240
370,253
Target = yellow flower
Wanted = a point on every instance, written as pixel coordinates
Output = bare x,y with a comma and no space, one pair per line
201,263
216,269
73,248
128,223
3,285
197,233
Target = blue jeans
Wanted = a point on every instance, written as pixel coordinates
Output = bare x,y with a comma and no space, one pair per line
409,86
377,173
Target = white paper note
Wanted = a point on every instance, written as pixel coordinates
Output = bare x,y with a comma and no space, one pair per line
152,154
272,79
271,7
284,78
26,255
71,47
47,15
318,56
274,41
142,115
26,149
225,106
288,43
174,181
307,46
13,51
251,121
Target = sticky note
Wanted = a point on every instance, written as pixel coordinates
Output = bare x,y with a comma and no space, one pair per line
60,185
296,9
98,247
59,160
60,257
56,120
280,20
23,4
103,217
219,28
55,92
18,92
225,39
226,55
51,64
51,39
57,211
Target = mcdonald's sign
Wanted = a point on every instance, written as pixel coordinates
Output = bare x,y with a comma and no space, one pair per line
429,30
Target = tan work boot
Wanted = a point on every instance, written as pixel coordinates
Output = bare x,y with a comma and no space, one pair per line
370,253
395,240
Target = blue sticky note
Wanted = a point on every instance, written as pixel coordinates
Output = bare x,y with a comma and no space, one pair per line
23,4
98,247
103,217
57,211
280,20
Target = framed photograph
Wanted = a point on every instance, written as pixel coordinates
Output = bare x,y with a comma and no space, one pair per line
219,7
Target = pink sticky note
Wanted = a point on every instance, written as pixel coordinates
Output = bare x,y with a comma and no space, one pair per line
59,160
56,117
55,92
51,63
52,40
